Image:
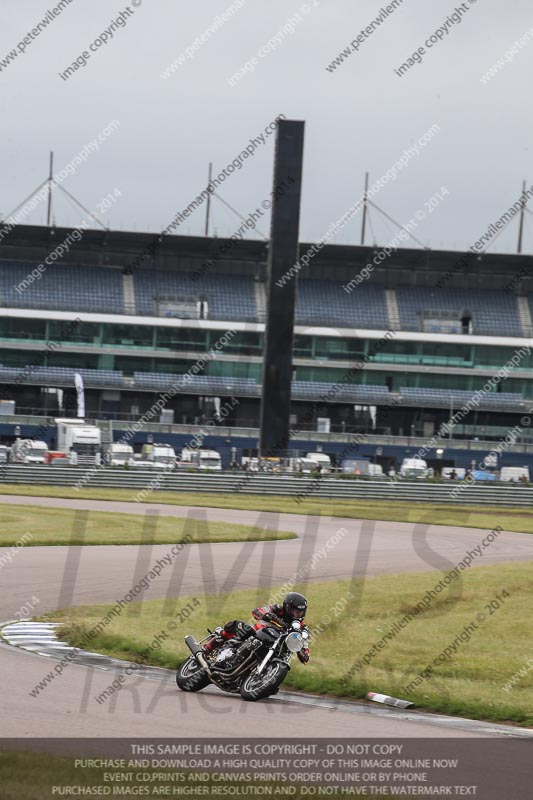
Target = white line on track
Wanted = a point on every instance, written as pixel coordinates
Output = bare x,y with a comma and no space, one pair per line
50,646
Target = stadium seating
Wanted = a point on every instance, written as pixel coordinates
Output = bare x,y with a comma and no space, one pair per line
61,376
210,384
231,297
492,312
458,398
322,302
314,390
61,288
248,387
228,297
195,384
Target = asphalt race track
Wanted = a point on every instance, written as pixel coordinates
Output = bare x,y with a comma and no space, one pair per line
62,576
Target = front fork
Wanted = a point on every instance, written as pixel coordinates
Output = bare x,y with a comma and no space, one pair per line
286,659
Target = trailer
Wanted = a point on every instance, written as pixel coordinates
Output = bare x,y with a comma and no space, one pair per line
79,442
201,459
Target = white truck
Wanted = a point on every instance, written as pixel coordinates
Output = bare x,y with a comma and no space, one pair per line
514,474
414,468
158,456
28,451
251,463
375,470
81,443
322,460
202,459
304,465
119,454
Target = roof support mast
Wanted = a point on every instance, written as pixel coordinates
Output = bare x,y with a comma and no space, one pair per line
208,205
365,208
522,210
49,214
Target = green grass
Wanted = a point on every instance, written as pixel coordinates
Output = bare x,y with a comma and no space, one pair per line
64,526
470,683
484,516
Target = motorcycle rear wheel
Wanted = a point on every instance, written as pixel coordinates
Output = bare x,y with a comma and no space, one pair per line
190,676
257,687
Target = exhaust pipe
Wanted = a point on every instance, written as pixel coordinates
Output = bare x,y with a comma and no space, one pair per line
196,650
229,676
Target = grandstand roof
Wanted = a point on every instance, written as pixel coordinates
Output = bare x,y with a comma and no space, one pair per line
405,267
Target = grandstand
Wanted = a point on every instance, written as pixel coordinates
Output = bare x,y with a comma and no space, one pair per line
487,311
142,329
325,303
90,288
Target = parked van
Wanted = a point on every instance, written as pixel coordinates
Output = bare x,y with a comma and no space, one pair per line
120,454
201,459
375,470
305,465
514,474
29,451
320,459
159,456
414,468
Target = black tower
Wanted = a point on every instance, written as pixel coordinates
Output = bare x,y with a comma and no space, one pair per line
283,254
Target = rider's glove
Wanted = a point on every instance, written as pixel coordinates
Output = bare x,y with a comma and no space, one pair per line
271,617
303,655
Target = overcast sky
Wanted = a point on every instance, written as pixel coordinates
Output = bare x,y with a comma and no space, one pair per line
361,116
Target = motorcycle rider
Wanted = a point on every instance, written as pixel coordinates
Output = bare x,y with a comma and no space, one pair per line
292,609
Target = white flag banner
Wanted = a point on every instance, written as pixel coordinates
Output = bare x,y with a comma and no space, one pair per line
78,382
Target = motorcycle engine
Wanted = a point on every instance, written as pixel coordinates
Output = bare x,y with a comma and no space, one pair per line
224,656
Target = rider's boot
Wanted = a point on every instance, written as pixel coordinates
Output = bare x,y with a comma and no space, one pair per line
217,640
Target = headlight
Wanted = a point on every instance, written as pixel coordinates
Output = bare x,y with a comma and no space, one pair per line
294,642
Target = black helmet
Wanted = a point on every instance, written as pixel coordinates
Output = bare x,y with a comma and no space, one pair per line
294,606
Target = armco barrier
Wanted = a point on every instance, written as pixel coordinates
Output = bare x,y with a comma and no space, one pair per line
499,494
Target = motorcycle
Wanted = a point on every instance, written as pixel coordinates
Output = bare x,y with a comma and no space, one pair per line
254,667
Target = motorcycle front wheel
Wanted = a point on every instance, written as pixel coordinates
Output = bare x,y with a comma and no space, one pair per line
191,677
257,687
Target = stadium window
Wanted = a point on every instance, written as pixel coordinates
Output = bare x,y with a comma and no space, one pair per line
129,364
128,335
244,343
338,349
55,358
83,332
17,358
181,339
303,346
34,329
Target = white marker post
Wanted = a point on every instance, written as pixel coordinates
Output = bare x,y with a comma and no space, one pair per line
388,701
